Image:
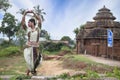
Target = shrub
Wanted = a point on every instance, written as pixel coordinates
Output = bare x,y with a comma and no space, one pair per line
92,75
5,44
51,46
9,51
65,48
115,73
64,76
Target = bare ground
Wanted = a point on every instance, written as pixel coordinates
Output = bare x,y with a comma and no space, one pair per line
52,68
55,67
106,61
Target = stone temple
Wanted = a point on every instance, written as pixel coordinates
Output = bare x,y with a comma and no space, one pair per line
92,39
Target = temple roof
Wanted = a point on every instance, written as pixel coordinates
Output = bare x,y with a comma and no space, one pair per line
104,13
97,33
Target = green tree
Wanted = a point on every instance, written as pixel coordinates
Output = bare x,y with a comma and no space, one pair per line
39,11
82,26
81,34
21,11
4,5
20,34
65,38
9,26
70,41
78,29
45,34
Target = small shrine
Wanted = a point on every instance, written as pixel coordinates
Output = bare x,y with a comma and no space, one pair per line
92,39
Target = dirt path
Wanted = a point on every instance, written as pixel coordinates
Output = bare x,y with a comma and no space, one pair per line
52,68
104,60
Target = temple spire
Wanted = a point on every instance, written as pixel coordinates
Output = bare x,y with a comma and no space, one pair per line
104,13
104,6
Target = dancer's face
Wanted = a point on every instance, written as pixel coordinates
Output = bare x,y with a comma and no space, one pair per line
30,24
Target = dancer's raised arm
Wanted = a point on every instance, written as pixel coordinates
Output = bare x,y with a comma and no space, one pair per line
23,20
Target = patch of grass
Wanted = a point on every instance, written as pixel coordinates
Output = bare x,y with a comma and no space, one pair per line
51,53
90,75
81,62
1,79
9,51
20,77
82,58
115,73
12,65
63,76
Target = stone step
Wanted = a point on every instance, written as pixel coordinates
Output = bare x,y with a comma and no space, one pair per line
6,77
41,77
49,77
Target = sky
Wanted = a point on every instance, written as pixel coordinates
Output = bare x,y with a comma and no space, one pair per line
63,16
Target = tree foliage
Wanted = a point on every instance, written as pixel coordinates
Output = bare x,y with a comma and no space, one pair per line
82,26
78,29
4,5
65,38
51,46
20,34
45,34
9,26
39,11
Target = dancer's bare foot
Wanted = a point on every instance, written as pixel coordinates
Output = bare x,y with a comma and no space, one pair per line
28,71
34,72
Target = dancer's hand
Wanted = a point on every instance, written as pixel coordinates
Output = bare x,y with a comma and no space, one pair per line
32,43
30,11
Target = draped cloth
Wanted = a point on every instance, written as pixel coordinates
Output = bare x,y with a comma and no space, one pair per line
33,60
28,55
